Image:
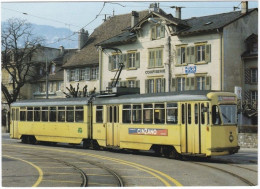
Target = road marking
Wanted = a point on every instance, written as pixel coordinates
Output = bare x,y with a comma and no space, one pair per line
93,183
149,170
52,173
62,181
57,167
35,166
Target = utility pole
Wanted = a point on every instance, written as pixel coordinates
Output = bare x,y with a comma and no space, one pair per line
47,78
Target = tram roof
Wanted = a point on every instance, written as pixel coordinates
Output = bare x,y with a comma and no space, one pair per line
51,102
154,98
123,99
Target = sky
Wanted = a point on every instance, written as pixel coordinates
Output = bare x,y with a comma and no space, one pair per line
90,14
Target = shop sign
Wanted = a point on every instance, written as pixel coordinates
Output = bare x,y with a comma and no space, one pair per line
155,71
190,69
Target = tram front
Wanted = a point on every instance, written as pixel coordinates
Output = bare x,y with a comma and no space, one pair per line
223,134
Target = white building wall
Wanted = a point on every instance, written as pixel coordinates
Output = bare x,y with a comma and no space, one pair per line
142,45
211,69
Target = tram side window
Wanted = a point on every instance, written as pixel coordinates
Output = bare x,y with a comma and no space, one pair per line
183,116
99,114
79,114
61,114
126,113
202,114
44,113
215,115
137,114
29,114
196,112
148,113
172,113
159,114
189,114
37,113
70,114
52,114
23,114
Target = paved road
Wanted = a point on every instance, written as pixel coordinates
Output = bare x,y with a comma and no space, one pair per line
135,169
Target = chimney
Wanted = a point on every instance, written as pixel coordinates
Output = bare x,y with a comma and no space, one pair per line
153,7
244,7
134,18
178,12
82,38
61,50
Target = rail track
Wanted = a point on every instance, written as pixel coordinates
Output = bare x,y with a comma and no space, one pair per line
86,181
213,164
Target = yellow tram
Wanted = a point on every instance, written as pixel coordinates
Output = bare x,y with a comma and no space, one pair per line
202,123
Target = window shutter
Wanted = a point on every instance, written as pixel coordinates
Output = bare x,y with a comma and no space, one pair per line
153,33
192,55
188,54
192,83
196,54
125,60
137,60
163,85
87,74
178,57
77,75
146,86
97,73
173,84
187,87
247,76
68,75
110,63
137,83
208,53
151,59
208,82
162,32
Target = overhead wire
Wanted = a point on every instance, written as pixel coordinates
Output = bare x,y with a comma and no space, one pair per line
61,39
44,18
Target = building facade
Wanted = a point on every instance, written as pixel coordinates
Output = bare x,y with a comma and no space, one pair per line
162,53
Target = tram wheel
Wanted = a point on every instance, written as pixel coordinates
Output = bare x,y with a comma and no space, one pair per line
24,139
32,140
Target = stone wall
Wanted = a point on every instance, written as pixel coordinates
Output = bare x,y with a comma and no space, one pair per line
247,140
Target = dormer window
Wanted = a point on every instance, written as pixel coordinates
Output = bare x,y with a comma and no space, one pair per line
53,67
157,32
254,49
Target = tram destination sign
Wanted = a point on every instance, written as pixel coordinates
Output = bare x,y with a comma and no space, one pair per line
148,131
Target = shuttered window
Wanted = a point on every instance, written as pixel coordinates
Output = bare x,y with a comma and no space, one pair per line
193,54
157,32
155,58
156,85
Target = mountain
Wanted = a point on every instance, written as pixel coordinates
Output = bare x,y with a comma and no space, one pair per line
53,36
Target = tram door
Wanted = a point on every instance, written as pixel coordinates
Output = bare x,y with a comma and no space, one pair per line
191,128
14,125
112,126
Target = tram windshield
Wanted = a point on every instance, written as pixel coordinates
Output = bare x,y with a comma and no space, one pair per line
229,114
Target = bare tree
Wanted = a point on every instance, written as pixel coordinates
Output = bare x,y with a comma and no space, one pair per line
18,47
